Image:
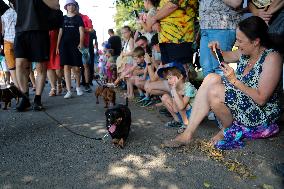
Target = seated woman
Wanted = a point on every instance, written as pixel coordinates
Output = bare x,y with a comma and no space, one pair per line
246,102
178,104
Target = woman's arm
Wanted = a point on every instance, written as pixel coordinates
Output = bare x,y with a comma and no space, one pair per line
58,40
82,35
163,12
233,3
275,6
268,81
229,56
53,4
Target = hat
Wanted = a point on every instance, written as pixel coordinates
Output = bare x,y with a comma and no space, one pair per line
179,66
69,2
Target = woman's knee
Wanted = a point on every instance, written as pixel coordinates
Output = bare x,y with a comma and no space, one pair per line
216,93
212,79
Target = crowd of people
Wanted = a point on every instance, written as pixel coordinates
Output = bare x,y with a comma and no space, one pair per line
157,60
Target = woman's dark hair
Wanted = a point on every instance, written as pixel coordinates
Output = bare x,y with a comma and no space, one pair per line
155,2
255,27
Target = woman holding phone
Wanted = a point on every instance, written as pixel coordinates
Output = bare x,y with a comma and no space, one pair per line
245,100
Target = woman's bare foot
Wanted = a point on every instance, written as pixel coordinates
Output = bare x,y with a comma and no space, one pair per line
217,137
180,140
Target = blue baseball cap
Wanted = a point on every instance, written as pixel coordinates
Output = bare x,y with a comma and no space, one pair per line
179,66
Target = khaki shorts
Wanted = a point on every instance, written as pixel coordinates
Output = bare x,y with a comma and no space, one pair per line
9,55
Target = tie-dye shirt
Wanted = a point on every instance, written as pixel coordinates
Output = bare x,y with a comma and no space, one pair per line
178,27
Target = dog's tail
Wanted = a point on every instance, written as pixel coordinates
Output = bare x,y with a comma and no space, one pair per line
126,101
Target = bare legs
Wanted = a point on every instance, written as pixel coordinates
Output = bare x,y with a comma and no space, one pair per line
211,95
53,76
67,75
22,73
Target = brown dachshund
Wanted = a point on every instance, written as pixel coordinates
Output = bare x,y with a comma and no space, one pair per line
108,95
7,94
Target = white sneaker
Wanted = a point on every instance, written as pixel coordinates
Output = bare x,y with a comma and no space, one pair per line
68,95
211,116
79,91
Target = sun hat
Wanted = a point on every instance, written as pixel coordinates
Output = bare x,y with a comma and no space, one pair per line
179,66
69,2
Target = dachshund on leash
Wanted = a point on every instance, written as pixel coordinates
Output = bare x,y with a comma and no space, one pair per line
108,95
118,121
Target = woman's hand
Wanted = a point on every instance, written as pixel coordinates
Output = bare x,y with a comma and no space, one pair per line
57,50
265,15
213,46
229,73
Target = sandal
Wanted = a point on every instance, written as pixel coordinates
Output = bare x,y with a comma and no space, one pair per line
52,92
174,143
59,89
181,129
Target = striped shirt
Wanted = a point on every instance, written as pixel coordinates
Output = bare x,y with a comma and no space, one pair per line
8,20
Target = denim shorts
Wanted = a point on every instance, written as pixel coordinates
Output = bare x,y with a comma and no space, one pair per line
85,55
188,112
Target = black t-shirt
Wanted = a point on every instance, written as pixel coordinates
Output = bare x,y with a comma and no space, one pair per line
70,28
31,15
3,7
115,44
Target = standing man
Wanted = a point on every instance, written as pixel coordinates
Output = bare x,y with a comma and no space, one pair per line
115,43
176,33
93,47
32,45
88,27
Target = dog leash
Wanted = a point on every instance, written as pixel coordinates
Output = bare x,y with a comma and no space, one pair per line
73,132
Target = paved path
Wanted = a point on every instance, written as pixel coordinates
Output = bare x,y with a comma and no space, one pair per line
37,152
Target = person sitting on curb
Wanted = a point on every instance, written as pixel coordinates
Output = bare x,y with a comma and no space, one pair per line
178,104
246,102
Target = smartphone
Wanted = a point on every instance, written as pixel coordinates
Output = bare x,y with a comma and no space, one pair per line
136,13
219,56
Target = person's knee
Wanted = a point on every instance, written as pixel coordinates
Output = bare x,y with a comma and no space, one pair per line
214,94
212,79
165,98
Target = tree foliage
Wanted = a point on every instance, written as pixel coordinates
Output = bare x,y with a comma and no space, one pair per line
125,12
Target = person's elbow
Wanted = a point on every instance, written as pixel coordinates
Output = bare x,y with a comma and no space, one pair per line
261,101
236,4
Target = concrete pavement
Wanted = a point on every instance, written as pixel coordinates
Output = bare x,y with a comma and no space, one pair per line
37,150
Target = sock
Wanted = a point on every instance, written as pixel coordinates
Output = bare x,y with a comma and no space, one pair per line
37,99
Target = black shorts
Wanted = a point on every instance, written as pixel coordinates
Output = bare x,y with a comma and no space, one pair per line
171,52
32,45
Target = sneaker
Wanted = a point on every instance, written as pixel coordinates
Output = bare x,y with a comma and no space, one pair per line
37,106
87,89
148,103
173,123
23,104
68,95
79,91
142,99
